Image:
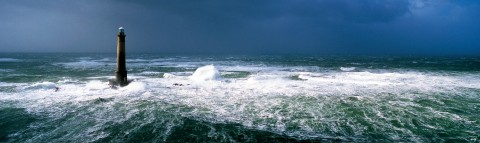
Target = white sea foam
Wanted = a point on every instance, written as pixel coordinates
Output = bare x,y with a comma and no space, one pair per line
40,85
11,84
96,85
267,99
134,87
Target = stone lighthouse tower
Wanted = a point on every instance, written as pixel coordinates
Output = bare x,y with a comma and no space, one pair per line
121,70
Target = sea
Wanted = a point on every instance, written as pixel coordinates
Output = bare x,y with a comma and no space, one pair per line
65,97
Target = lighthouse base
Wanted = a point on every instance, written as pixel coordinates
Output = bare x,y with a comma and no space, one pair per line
115,84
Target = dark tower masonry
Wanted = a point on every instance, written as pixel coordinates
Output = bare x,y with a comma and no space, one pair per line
121,70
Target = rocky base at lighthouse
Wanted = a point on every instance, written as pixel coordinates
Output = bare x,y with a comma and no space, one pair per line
113,83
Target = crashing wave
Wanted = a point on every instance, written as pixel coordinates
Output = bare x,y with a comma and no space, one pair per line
206,73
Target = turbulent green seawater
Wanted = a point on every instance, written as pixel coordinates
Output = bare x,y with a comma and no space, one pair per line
66,98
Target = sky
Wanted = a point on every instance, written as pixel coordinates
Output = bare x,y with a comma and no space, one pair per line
410,27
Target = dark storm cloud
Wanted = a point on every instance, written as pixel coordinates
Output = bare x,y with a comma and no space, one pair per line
242,27
359,10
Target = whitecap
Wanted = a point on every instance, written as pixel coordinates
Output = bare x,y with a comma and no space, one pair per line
149,73
37,86
104,60
84,58
347,69
168,75
137,60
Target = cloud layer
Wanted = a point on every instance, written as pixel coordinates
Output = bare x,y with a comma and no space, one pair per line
243,27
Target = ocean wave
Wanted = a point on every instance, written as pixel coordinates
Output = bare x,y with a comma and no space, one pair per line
9,60
169,75
6,70
101,60
150,73
347,69
84,64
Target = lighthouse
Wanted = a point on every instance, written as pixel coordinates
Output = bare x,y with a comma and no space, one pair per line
121,70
